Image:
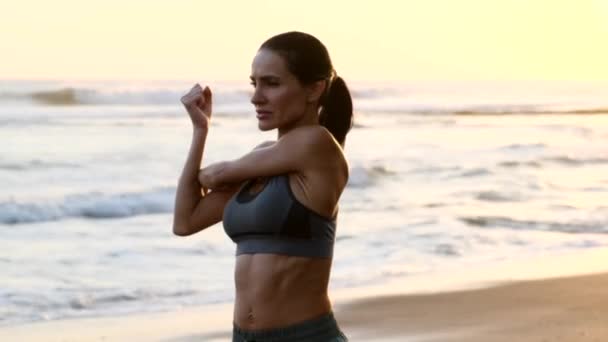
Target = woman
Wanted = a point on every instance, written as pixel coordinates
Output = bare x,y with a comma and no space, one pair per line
279,203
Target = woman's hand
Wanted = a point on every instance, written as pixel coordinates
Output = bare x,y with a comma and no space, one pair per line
198,104
209,177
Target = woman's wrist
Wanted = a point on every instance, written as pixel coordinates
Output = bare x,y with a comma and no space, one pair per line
200,131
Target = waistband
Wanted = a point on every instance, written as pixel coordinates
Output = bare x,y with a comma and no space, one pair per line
324,326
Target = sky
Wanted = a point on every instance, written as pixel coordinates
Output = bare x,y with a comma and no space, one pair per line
368,40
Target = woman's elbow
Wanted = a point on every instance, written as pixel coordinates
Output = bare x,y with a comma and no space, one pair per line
181,227
186,230
181,230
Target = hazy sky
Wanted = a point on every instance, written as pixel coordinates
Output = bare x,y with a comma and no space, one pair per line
368,40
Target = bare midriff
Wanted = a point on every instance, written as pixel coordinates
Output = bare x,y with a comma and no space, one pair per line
274,291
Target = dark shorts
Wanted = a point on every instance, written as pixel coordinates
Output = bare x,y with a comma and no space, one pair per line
322,329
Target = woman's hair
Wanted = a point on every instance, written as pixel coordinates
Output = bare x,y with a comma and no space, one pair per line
307,58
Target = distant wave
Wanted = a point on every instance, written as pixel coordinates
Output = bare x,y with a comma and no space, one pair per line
515,164
600,227
529,110
359,125
372,93
121,296
364,176
524,146
446,249
24,307
560,160
65,96
451,172
574,161
431,169
469,173
35,164
235,99
85,96
90,205
496,196
74,96
436,107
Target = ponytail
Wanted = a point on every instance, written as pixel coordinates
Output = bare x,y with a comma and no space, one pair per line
337,110
308,60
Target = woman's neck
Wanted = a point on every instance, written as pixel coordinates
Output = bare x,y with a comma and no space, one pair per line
311,117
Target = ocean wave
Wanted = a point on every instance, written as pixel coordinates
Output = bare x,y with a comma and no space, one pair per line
598,227
430,169
373,93
36,164
495,196
75,96
358,125
377,99
515,164
446,249
91,205
510,110
361,177
72,303
401,107
86,96
89,300
524,146
64,96
558,159
470,173
574,161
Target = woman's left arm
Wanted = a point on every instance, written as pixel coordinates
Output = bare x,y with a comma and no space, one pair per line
296,151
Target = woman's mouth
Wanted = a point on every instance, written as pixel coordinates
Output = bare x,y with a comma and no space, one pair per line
263,114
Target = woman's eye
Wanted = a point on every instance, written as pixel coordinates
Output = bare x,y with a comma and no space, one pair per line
266,84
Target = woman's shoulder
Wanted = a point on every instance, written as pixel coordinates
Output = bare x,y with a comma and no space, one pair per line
322,146
266,143
316,136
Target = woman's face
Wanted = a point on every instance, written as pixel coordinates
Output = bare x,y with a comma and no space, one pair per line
279,98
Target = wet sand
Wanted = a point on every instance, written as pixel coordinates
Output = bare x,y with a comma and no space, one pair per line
559,309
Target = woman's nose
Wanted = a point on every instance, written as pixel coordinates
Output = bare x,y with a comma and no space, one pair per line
257,97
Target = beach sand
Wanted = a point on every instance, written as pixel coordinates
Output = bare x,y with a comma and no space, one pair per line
560,309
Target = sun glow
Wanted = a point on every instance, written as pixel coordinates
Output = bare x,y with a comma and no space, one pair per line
380,40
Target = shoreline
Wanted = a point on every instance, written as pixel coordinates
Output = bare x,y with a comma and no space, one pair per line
563,297
557,309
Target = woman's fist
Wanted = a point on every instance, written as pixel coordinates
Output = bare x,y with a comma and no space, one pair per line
198,104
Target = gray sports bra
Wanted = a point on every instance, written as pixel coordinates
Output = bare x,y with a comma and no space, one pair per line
274,221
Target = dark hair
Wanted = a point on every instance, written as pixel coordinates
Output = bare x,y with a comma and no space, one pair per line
307,58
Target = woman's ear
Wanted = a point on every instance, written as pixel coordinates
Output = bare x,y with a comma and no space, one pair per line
316,90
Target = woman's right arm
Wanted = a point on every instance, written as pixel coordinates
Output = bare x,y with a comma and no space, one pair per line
194,209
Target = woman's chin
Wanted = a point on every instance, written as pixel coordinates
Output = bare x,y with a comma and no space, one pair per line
265,125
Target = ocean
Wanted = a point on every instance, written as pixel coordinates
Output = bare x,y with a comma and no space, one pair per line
444,176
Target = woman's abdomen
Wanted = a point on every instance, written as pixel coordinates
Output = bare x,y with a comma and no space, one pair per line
279,290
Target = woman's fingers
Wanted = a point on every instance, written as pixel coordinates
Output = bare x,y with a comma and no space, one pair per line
207,95
193,96
198,105
199,97
205,101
